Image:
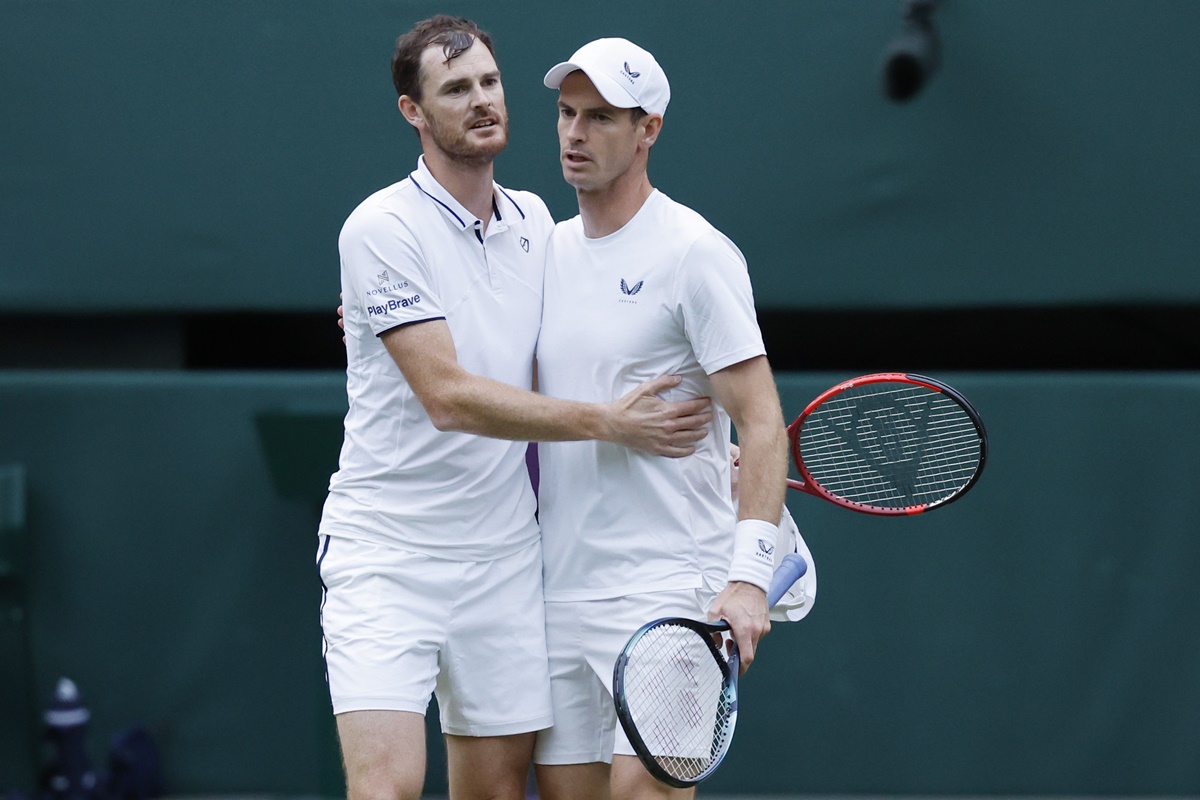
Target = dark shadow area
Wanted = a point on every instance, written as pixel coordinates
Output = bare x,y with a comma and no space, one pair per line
986,339
1140,338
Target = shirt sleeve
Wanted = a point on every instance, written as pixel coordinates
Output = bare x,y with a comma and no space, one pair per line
384,272
718,303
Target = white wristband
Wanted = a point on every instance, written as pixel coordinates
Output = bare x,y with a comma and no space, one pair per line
754,552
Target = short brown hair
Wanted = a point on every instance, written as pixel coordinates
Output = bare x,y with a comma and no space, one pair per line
454,34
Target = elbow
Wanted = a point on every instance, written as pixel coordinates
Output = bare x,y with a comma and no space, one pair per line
445,416
450,405
450,411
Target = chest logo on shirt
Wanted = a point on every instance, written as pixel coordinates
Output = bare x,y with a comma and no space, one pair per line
629,291
524,244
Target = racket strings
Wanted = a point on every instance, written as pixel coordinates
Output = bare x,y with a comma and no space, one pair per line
891,446
676,695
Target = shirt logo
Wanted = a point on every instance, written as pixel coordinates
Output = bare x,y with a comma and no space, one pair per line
393,305
629,73
383,277
625,289
524,244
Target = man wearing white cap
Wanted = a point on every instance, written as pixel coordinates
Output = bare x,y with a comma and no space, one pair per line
638,285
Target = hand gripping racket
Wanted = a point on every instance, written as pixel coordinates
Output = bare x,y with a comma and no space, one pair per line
676,694
889,443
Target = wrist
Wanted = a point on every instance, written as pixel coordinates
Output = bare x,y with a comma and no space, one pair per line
602,425
753,553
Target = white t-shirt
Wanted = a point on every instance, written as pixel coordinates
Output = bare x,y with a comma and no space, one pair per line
412,253
666,294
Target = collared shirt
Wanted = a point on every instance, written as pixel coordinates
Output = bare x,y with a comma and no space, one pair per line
411,253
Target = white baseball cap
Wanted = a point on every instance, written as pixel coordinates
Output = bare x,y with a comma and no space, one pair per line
625,75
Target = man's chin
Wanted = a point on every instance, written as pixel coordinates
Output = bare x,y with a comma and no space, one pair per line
481,153
490,146
576,179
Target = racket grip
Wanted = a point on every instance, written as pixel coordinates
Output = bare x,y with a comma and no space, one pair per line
790,569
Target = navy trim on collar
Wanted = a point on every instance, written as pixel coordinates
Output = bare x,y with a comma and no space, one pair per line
412,177
514,202
495,208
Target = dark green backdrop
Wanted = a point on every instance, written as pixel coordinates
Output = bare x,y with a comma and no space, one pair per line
201,154
157,529
1038,637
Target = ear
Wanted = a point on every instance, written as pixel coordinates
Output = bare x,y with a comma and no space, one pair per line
652,126
411,111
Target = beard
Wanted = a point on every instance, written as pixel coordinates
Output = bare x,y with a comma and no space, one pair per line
454,140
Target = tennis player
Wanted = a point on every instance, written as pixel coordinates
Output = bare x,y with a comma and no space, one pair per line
639,285
429,552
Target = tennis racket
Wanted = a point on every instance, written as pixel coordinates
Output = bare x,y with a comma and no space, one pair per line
676,692
890,443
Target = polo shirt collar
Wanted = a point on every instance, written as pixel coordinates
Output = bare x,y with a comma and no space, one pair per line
502,203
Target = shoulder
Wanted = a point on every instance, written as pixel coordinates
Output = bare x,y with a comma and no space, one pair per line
568,230
682,218
382,210
697,237
529,207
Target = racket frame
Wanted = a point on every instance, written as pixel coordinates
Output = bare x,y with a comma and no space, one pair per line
792,567
806,482
730,666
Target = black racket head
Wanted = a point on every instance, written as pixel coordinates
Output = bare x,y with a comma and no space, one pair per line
676,698
890,443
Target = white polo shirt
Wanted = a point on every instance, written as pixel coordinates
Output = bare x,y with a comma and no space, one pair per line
666,294
412,253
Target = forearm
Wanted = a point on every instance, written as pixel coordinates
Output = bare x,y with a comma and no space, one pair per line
747,390
762,472
486,407
457,400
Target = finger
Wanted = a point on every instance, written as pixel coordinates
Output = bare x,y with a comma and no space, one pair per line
745,644
687,437
659,384
698,422
686,408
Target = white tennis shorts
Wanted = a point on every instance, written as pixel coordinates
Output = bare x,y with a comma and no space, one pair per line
585,638
400,626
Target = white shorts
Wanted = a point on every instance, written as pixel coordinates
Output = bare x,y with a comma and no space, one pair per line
585,638
400,626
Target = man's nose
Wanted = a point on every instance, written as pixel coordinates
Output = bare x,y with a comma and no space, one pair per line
575,130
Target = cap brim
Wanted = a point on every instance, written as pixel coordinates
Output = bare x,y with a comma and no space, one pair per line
554,77
609,89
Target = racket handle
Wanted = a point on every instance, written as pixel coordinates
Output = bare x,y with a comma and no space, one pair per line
790,569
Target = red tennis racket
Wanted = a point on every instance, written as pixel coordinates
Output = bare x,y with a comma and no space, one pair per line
890,443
